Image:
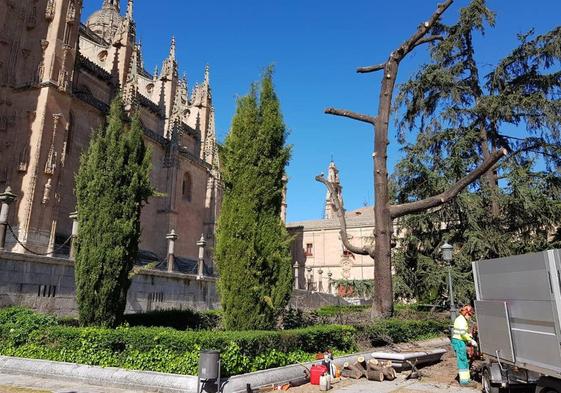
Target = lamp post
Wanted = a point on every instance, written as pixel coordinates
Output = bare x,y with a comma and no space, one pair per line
446,250
200,267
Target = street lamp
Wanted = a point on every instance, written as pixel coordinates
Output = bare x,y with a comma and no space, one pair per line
446,250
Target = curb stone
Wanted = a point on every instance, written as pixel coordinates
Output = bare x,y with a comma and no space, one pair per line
163,382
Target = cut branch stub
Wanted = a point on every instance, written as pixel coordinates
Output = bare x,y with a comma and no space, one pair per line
416,39
351,115
437,200
337,201
372,68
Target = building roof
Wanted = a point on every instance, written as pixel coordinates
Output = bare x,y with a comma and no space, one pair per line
358,218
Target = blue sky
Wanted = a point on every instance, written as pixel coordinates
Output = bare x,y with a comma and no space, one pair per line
316,46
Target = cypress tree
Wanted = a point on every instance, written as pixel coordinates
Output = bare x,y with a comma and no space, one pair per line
112,184
253,246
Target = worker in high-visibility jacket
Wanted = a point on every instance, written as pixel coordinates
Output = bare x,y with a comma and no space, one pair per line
460,339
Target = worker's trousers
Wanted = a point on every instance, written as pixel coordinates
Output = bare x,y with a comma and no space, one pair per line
462,360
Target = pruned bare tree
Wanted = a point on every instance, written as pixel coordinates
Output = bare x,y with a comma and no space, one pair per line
384,212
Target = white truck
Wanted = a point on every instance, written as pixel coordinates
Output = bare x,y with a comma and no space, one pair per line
518,311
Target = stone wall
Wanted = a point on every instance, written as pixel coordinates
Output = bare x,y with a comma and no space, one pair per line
306,300
47,284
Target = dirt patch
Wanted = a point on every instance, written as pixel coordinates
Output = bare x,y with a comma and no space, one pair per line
309,388
442,373
11,389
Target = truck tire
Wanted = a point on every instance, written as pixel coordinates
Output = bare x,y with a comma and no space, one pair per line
548,385
487,385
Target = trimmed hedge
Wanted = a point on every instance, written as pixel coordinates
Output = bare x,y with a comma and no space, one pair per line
169,350
330,311
24,333
389,331
178,319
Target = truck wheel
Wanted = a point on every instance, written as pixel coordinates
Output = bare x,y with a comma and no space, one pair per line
487,385
548,385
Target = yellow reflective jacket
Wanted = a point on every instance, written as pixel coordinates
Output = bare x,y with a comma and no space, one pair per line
461,329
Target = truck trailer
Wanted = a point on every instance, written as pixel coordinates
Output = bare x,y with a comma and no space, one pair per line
518,311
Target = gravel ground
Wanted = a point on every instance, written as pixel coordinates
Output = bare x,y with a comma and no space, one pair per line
438,377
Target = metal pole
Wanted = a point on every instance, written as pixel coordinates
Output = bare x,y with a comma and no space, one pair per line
453,312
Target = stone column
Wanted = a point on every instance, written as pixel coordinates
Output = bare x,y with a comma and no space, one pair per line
172,237
6,198
74,236
296,283
201,263
310,285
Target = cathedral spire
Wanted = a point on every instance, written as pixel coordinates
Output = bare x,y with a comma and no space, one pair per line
111,4
333,177
172,48
207,74
129,9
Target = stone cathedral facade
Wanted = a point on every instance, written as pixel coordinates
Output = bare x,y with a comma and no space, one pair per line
57,79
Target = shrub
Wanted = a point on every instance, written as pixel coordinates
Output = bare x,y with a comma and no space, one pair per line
331,311
16,324
178,319
172,351
388,331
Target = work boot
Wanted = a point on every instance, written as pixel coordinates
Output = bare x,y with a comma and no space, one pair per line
470,384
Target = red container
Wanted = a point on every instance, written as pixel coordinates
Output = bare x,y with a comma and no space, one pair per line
315,372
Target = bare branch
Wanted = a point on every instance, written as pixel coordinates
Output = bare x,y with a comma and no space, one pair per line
428,39
351,115
338,205
442,198
417,38
372,68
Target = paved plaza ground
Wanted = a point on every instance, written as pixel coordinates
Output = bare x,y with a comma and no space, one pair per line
436,378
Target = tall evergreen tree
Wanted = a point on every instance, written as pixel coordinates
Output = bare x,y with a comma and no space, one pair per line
460,116
252,244
112,184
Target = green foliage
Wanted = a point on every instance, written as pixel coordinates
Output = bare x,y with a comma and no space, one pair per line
252,244
394,330
177,319
112,184
168,350
16,324
360,288
295,318
460,115
331,311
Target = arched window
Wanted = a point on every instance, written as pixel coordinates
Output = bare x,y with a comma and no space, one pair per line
187,186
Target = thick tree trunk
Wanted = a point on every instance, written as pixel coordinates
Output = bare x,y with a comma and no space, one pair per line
490,177
383,289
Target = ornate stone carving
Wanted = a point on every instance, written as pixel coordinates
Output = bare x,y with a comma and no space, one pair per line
50,10
41,67
47,192
71,13
32,18
50,165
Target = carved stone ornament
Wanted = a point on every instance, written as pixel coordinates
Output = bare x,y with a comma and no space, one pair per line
71,14
50,10
346,266
47,192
